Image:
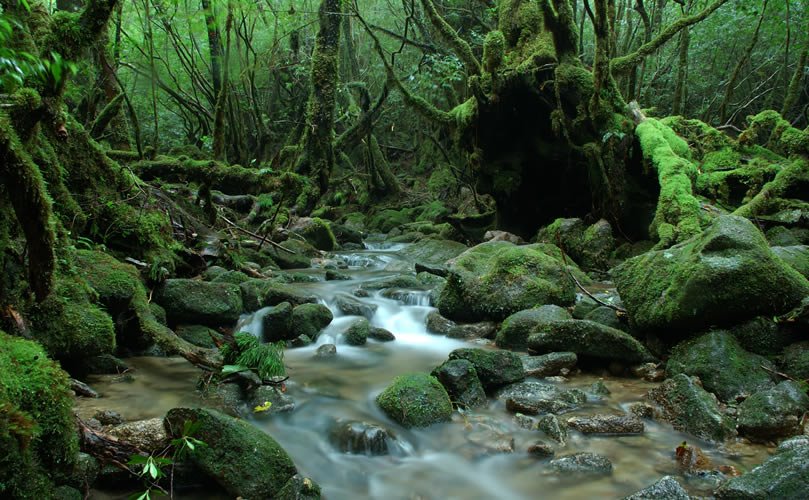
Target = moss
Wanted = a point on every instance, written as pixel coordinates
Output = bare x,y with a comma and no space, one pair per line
700,136
200,302
257,293
319,234
790,180
494,50
447,32
734,186
37,430
464,114
795,360
310,320
678,215
357,333
416,400
494,368
587,339
769,129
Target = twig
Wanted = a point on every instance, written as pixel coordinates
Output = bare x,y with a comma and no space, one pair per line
251,233
784,375
598,301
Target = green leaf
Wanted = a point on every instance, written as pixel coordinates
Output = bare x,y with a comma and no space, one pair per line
230,369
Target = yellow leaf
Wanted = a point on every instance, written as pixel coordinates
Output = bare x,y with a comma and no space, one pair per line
263,407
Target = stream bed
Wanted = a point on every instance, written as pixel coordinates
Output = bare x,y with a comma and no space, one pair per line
467,458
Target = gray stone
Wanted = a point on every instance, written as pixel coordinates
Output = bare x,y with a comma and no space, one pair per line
359,438
548,365
773,413
782,476
606,424
461,381
666,488
582,465
350,306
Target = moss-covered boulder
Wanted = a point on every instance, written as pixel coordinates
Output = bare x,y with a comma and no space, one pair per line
309,320
690,408
590,246
795,360
258,293
295,254
587,339
37,427
722,276
513,333
387,220
242,459
199,335
784,475
433,252
496,279
459,378
494,368
762,335
796,256
200,302
276,324
724,368
232,277
316,231
416,400
357,333
773,413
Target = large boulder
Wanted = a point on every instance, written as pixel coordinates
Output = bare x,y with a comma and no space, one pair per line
277,323
689,408
496,279
317,232
588,339
459,378
514,332
784,475
258,293
242,459
416,400
590,246
773,413
724,368
310,320
722,276
433,252
494,368
200,302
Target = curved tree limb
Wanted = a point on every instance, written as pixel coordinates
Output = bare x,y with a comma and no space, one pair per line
624,64
459,45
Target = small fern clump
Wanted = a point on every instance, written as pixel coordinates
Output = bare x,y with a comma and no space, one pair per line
247,353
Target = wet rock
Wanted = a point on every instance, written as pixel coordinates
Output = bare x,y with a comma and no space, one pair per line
350,306
481,330
598,389
537,398
585,305
200,302
400,281
326,351
359,438
494,280
773,413
299,488
785,475
793,443
514,332
690,408
762,336
461,381
212,272
357,333
359,292
582,465
722,365
258,293
226,397
588,339
310,320
796,256
433,252
495,235
605,316
494,368
105,364
606,424
232,277
724,275
199,335
416,400
796,360
241,458
108,417
649,372
148,435
666,488
552,427
298,256
548,365
317,232
380,334
332,275
525,422
277,323
438,324
81,389
300,341
85,471
280,402
540,449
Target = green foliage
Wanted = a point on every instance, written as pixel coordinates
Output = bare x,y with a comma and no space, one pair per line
246,353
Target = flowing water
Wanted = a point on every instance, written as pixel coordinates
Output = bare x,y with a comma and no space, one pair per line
451,460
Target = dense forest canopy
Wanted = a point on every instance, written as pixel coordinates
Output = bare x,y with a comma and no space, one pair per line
167,168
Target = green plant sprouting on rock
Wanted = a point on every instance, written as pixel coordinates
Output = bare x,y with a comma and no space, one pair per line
246,353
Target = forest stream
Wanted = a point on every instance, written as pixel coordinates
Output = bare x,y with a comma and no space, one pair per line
480,454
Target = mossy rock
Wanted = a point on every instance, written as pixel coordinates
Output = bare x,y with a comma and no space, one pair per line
317,233
433,252
416,400
257,293
589,340
690,408
232,277
590,246
722,365
296,258
38,436
513,334
796,256
357,333
762,335
494,280
200,302
459,378
773,413
241,458
494,368
722,276
387,220
400,281
795,360
277,323
784,475
199,335
309,320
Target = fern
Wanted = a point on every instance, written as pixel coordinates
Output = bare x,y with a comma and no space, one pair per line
266,360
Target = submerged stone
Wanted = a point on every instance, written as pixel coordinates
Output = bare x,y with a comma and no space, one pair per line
666,488
582,465
359,438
